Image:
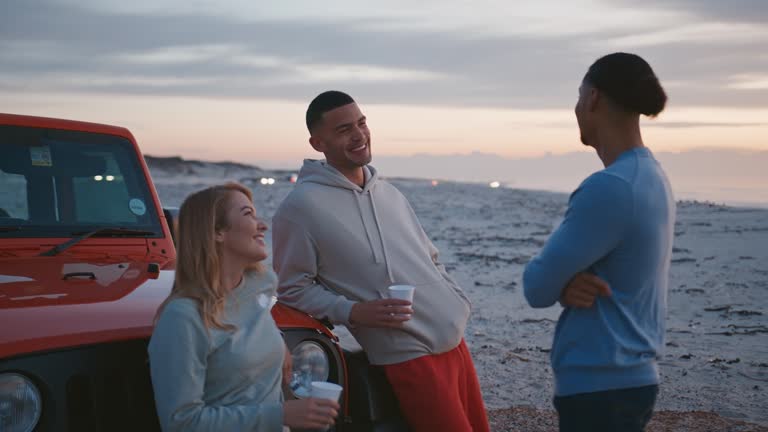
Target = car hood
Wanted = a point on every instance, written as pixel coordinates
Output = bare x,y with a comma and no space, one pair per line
54,302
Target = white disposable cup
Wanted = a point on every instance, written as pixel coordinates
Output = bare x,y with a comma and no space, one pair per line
325,390
402,292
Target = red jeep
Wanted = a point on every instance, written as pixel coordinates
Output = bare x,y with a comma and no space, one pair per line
86,257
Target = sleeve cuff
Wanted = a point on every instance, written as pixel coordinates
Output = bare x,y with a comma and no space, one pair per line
273,416
341,311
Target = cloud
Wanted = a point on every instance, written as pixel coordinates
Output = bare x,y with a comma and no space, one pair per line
742,11
264,59
491,18
403,55
177,54
709,33
750,82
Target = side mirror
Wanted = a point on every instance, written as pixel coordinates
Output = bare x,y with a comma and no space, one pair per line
172,218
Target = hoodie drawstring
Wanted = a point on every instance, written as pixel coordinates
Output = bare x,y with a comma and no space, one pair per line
376,258
320,172
381,236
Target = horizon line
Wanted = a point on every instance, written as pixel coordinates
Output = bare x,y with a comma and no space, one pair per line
738,150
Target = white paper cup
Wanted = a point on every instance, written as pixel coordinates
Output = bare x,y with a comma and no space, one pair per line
402,292
325,390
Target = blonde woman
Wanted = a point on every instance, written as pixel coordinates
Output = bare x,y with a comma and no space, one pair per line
216,355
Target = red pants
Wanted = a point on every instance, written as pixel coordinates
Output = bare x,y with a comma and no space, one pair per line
439,393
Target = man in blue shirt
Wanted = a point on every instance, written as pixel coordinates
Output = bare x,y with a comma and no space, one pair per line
608,262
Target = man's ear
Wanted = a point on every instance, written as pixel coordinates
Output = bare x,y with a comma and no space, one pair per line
593,99
317,144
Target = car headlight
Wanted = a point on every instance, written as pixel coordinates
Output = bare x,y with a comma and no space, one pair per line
310,363
20,403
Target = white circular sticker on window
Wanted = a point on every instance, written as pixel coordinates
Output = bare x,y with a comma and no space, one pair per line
137,207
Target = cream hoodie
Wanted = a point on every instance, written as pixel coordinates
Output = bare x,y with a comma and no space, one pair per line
335,243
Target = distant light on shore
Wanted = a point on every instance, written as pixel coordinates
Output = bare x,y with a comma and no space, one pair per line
494,184
435,182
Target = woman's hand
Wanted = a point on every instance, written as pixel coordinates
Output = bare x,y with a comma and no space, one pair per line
310,413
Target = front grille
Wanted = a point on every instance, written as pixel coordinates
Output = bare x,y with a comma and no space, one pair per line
79,403
118,399
97,388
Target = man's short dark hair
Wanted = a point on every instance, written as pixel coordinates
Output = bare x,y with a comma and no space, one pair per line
323,103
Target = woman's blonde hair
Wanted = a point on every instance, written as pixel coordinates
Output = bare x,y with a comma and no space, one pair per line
201,216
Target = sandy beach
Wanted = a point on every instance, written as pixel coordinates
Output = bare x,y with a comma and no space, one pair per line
715,368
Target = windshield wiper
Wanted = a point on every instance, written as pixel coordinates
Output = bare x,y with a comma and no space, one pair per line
9,228
117,232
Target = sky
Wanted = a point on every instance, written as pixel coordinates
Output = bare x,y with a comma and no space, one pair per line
230,80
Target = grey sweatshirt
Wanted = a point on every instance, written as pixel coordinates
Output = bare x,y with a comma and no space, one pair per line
216,380
335,243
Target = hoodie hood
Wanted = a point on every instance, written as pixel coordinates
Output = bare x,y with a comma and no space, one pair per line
321,172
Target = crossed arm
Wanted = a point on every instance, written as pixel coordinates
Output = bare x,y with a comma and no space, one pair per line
594,225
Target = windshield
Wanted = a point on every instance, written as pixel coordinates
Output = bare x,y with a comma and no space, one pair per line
58,183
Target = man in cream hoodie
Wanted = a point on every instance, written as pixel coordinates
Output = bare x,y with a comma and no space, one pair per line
341,238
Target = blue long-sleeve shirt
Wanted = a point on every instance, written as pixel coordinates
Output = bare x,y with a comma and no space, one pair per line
619,226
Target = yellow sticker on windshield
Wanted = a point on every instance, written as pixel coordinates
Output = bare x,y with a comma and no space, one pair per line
40,156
